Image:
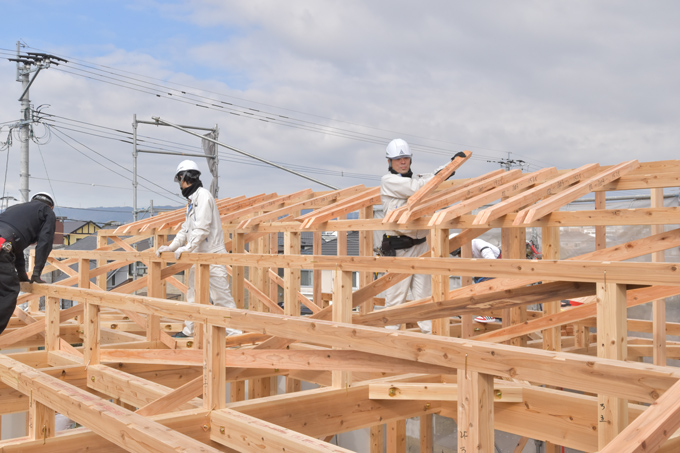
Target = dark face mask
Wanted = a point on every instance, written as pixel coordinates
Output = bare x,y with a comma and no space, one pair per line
187,191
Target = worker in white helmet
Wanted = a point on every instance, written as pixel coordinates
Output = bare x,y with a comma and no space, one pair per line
201,232
395,189
20,226
481,249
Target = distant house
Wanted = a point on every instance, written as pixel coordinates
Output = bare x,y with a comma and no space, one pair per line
329,247
76,230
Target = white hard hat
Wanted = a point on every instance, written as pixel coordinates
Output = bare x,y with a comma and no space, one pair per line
184,166
44,197
398,148
453,235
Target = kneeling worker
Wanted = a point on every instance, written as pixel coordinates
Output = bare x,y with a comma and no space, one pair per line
485,250
20,226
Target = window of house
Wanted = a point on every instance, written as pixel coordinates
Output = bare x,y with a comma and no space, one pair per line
306,277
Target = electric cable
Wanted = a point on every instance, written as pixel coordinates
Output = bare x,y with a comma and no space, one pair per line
56,134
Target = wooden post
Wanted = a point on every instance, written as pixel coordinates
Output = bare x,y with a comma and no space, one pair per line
214,375
101,279
612,334
254,275
600,231
426,432
91,339
237,389
52,324
40,421
440,326
440,283
475,412
317,288
154,287
291,277
237,273
467,328
377,439
550,248
33,304
258,387
342,312
160,239
552,338
514,247
366,249
396,436
291,287
274,250
658,306
202,296
582,332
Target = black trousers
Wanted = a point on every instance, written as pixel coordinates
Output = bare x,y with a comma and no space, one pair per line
9,288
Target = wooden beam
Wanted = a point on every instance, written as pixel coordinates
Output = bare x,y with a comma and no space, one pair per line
635,381
634,297
583,188
174,399
446,197
530,196
245,433
502,192
439,178
127,429
650,430
502,393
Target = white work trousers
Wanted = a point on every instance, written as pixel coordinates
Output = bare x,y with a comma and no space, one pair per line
220,295
420,286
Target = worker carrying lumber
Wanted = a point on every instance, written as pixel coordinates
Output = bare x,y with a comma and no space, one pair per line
20,226
484,250
395,189
201,232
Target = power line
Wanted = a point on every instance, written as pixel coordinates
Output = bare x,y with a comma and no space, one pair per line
108,168
115,134
163,91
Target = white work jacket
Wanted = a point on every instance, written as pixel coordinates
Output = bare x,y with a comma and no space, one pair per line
394,193
201,232
483,249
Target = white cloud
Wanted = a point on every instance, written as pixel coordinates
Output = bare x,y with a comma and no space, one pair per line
555,83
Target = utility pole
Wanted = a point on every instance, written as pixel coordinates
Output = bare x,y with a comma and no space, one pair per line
509,163
26,64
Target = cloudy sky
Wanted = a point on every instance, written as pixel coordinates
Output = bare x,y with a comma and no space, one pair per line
322,86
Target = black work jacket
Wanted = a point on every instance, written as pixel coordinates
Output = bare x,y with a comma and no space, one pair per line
27,223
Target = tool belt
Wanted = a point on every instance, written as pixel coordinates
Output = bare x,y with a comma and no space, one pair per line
390,244
5,245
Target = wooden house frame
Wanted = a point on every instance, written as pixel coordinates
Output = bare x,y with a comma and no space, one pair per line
542,375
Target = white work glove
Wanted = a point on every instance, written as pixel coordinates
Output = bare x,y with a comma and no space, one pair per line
163,248
441,168
181,250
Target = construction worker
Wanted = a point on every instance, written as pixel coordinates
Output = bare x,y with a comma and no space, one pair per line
485,250
201,232
395,189
20,226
